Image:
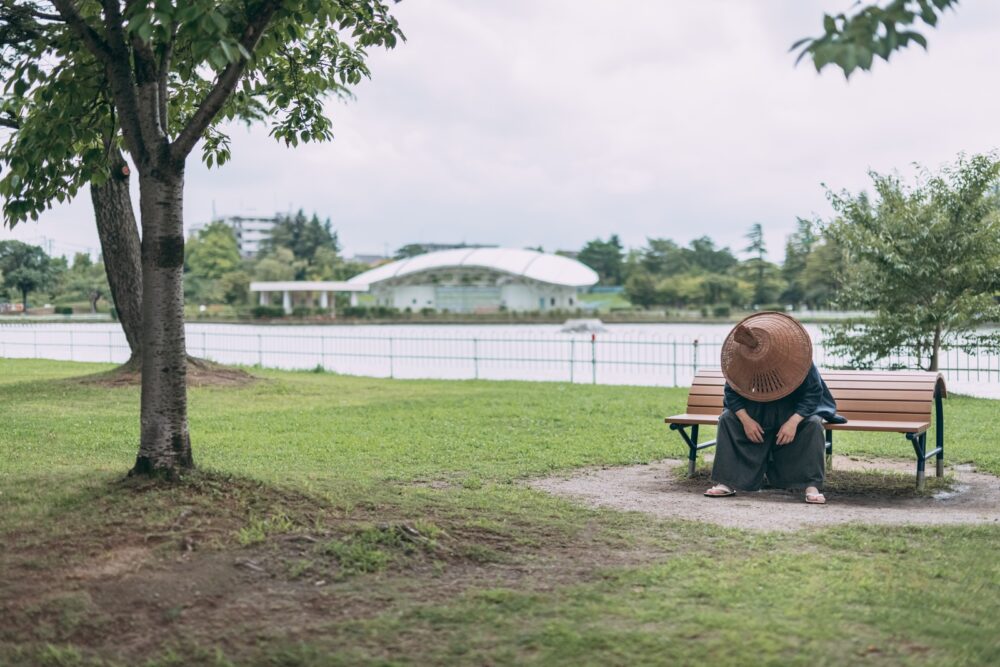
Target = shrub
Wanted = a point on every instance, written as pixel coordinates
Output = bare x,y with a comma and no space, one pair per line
64,310
721,311
267,312
354,311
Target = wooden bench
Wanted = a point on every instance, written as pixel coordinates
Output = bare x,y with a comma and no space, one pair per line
881,401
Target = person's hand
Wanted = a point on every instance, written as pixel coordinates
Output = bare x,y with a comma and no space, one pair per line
787,431
750,427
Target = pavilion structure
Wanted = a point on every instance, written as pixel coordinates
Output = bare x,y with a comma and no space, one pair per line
311,293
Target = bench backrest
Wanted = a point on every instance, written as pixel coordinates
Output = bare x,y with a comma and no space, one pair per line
861,395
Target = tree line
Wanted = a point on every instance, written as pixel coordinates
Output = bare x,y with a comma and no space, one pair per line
702,275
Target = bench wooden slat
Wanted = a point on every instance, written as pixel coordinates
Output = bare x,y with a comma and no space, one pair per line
879,384
688,418
887,416
844,406
850,405
885,426
916,426
702,393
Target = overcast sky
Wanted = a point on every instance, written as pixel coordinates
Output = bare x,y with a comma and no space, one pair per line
551,122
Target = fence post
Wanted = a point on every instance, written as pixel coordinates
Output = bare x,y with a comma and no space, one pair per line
392,370
593,358
34,340
695,355
110,352
475,356
572,361
71,345
204,347
674,359
260,351
322,352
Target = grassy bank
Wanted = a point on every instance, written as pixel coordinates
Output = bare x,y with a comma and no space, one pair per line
340,520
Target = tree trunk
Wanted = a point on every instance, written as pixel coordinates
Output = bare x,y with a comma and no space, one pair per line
24,301
935,351
119,236
165,444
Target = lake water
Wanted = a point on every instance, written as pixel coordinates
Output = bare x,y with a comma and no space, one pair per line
638,354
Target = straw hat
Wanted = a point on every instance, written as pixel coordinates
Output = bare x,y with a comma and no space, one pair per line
766,356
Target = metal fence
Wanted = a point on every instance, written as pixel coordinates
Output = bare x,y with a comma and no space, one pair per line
545,356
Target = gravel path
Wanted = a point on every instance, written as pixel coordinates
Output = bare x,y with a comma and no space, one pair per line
656,489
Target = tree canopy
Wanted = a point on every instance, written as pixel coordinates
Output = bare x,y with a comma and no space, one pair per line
68,64
25,268
607,258
923,260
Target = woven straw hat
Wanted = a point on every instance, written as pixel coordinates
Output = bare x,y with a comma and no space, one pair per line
766,356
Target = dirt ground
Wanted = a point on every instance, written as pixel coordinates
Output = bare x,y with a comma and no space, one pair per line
659,490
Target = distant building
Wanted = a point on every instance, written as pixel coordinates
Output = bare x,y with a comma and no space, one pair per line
470,280
250,231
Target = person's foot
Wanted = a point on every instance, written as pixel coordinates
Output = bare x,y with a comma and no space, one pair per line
814,496
720,491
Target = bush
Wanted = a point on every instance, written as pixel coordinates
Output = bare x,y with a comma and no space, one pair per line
721,311
354,311
64,310
267,312
302,311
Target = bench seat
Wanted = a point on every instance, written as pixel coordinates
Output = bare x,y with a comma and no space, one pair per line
875,401
885,426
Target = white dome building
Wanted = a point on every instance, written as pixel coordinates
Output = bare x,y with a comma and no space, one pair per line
469,280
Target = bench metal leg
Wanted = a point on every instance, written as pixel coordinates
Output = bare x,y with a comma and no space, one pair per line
939,434
693,451
829,450
919,441
693,445
921,461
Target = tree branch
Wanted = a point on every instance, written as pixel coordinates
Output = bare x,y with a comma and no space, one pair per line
225,83
90,37
163,74
115,58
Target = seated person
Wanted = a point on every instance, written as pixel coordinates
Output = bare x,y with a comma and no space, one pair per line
775,402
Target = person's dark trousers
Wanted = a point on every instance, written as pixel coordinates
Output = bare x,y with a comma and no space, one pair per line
742,464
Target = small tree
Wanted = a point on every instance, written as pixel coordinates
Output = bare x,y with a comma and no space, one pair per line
640,288
169,73
84,280
607,258
25,268
797,250
213,252
925,260
305,237
756,265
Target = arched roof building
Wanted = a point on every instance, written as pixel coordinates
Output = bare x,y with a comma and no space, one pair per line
479,280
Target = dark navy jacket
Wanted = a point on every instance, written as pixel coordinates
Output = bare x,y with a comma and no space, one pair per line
812,397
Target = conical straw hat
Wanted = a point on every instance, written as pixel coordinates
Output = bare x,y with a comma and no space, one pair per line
766,356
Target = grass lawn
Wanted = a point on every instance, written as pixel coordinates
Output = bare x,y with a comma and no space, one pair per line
340,520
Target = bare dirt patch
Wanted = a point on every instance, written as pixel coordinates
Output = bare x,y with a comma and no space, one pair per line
141,566
200,373
658,490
